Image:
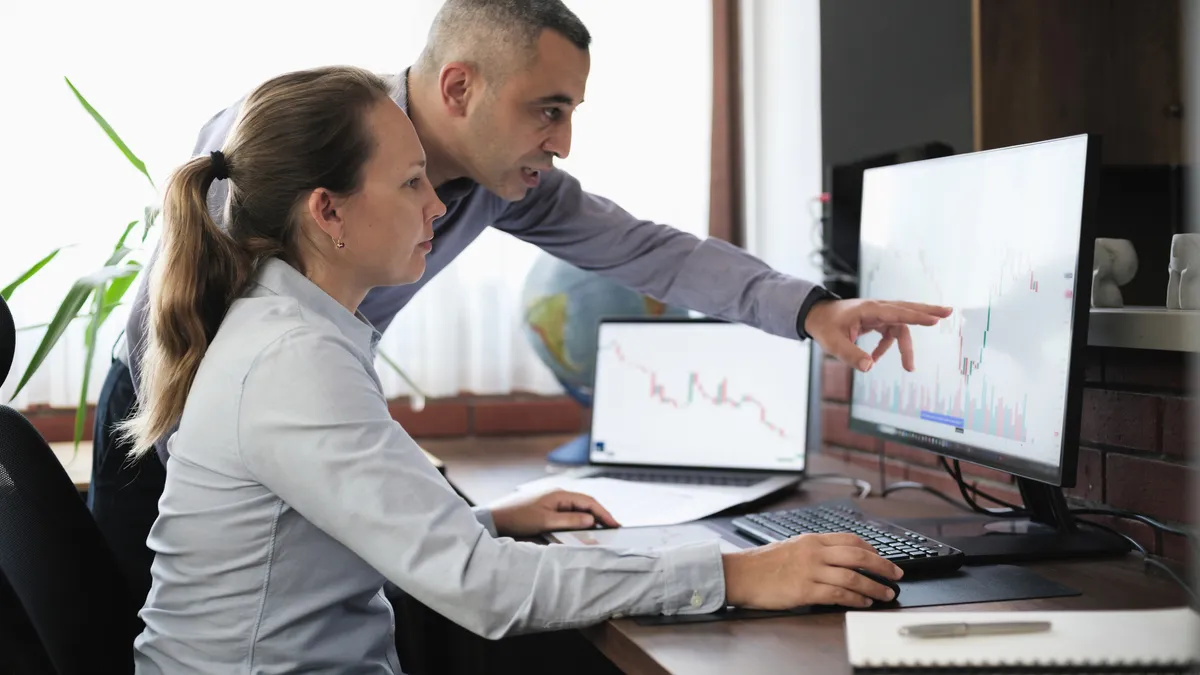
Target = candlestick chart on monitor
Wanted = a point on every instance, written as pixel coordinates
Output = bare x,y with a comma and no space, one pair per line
994,374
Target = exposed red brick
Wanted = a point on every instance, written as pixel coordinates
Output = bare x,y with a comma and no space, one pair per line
57,425
438,418
1178,548
1175,428
936,479
1120,419
894,470
910,454
1089,476
867,460
1148,486
833,452
1093,371
532,416
1140,532
1159,370
1008,493
835,381
974,471
835,428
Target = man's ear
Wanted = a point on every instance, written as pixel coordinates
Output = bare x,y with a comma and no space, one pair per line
325,208
458,83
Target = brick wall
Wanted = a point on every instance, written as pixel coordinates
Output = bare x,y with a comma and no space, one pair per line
466,415
1133,443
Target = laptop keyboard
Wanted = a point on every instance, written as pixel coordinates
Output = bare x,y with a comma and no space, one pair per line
909,550
678,478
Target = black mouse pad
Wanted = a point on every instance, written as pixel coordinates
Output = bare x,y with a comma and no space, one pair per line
990,583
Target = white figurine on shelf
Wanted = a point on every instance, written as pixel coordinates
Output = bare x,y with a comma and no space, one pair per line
1183,284
1114,265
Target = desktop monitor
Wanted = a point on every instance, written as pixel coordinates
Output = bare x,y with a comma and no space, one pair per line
1005,238
700,393
843,211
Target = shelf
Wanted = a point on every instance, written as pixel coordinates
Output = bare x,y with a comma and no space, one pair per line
1145,328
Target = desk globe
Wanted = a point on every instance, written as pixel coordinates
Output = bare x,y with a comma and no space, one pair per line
562,306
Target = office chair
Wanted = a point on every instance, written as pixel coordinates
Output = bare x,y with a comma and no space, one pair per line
64,607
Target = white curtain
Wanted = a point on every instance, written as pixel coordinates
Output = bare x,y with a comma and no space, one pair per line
158,70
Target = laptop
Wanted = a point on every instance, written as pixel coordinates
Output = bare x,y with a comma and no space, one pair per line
701,403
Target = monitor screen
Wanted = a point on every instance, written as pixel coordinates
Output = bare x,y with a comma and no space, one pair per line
699,393
996,235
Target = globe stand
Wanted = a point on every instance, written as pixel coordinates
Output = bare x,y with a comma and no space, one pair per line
575,451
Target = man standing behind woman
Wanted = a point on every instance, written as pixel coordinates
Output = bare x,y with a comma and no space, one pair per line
292,494
492,98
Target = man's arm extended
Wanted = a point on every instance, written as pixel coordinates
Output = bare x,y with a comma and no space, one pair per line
705,275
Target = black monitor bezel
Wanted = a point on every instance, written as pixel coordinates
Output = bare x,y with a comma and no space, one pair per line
1063,475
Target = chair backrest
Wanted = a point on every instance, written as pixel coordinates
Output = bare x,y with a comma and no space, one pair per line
8,340
59,584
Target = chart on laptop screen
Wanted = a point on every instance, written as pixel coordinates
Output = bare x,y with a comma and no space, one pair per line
997,239
699,393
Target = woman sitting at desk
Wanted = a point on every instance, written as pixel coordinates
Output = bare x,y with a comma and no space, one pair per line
292,495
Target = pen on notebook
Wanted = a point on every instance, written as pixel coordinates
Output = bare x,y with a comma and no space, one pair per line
962,629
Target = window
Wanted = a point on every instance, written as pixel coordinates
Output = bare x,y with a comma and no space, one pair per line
157,71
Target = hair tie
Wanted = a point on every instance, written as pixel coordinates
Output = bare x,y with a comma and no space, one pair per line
220,169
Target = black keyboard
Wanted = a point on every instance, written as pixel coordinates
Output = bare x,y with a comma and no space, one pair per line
911,551
678,478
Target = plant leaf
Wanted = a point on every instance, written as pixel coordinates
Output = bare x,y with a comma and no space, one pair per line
121,242
418,395
118,255
70,306
112,296
7,291
90,340
112,134
38,326
150,218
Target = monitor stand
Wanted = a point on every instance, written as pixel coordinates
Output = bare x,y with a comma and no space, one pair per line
1050,533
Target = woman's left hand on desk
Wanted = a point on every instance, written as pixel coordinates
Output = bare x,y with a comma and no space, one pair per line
549,512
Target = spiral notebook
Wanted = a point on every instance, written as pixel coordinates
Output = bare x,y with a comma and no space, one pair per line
1076,641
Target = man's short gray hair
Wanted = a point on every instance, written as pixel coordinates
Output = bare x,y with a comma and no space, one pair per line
488,34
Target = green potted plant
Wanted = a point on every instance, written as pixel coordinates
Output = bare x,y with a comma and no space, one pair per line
103,289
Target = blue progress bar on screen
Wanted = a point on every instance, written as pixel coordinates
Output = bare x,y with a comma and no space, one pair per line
956,422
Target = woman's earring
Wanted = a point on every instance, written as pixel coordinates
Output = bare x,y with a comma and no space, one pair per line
339,243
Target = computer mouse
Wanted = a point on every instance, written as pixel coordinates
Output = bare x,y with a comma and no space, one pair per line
882,580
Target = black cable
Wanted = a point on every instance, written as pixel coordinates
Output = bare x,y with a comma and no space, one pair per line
957,473
864,488
1015,511
1112,530
1130,515
1149,560
912,485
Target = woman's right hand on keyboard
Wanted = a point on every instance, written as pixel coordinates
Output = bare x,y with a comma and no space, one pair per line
811,569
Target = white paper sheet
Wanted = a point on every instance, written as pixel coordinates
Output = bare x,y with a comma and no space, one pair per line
636,504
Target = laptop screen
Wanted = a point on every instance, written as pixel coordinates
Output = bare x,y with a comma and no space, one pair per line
699,394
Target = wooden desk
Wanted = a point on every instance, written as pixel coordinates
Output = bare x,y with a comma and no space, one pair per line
486,470
77,464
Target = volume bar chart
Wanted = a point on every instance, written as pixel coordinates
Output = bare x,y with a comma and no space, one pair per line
987,414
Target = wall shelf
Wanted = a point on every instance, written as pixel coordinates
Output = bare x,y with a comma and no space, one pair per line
1145,328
